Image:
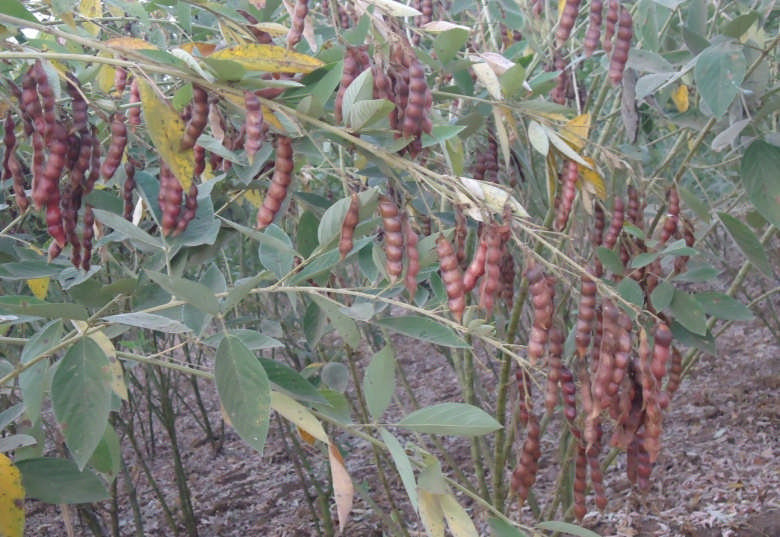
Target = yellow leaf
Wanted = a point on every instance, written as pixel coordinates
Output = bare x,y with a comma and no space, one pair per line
204,49
593,180
11,499
487,76
575,132
166,129
680,98
306,437
254,197
343,489
273,28
458,520
129,43
91,9
105,77
431,513
561,5
295,412
39,287
255,57
118,385
503,137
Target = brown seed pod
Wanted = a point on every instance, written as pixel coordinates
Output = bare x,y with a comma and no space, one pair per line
15,169
416,118
593,34
382,84
672,216
116,148
47,98
560,91
78,105
554,364
198,117
199,153
94,162
580,483
39,185
351,219
569,396
169,199
394,238
634,211
613,10
524,402
412,257
351,70
477,266
585,316
9,143
127,189
49,185
507,267
120,80
524,474
461,233
661,350
616,225
31,104
69,217
262,37
87,236
452,277
254,127
625,32
568,192
569,15
298,20
644,464
681,262
542,293
492,280
282,177
190,209
134,112
675,371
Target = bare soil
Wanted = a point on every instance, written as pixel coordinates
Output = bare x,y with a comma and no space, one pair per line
718,475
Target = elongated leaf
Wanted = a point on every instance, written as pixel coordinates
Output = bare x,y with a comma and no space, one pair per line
688,312
723,306
290,381
26,305
244,391
81,397
194,293
747,242
396,9
610,260
431,513
424,329
343,489
298,414
151,321
501,528
131,231
28,269
11,499
278,261
59,481
566,527
271,58
402,464
458,520
42,341
253,339
363,114
379,382
166,128
759,175
360,89
458,419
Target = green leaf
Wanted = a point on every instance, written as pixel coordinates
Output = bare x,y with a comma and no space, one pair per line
26,270
244,391
14,8
718,73
81,397
758,171
630,290
688,312
698,274
447,44
253,339
335,376
723,306
610,260
128,229
343,324
58,481
106,458
43,340
194,293
424,329
458,419
705,343
225,70
26,305
363,114
739,25
361,89
262,238
747,242
512,80
441,133
379,382
314,323
662,296
278,261
693,202
502,528
32,380
642,260
150,321
402,464
290,381
566,527
306,235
